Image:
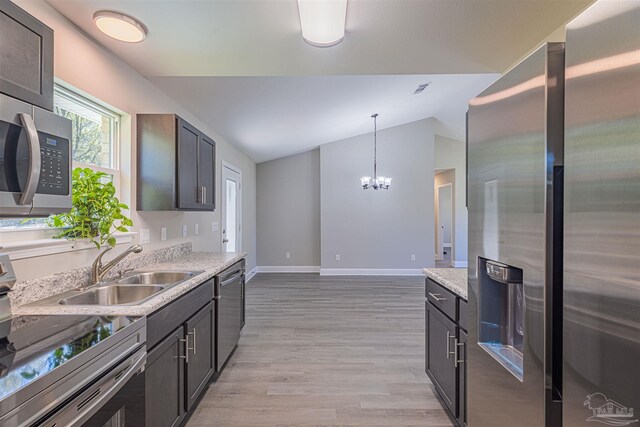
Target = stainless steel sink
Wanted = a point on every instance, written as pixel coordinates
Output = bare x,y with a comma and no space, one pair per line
157,278
113,295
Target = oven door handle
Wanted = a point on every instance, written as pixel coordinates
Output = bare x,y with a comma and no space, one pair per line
83,406
35,164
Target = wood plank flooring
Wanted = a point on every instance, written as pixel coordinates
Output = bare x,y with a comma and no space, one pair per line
327,351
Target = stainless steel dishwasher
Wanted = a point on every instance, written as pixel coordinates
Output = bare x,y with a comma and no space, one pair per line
228,299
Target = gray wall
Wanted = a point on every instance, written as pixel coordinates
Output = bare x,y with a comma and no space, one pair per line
450,154
288,210
379,229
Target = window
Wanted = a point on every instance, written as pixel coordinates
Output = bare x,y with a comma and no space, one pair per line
94,142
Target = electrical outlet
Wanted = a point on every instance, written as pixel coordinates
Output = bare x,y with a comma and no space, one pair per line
145,236
413,257
185,230
214,227
196,229
287,255
163,233
338,258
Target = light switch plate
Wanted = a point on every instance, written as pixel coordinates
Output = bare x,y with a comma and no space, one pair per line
338,258
163,233
145,236
196,229
185,230
287,255
214,227
413,257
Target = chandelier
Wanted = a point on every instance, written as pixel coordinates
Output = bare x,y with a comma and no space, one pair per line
378,182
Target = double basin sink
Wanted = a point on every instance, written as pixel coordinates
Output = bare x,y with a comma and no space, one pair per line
133,289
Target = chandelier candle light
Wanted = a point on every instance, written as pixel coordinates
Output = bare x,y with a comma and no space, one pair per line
379,182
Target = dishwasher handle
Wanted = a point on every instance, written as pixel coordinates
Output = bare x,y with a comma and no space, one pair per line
236,275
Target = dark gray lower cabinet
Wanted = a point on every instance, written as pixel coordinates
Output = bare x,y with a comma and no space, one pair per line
200,347
181,356
446,348
164,378
440,366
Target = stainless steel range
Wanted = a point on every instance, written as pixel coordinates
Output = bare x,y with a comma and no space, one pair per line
70,370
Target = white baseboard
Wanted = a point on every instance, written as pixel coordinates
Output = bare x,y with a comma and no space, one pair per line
459,264
371,272
287,269
250,274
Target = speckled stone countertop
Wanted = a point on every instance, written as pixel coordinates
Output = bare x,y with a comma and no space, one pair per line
211,263
454,279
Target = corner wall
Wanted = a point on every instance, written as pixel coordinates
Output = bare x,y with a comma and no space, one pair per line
288,211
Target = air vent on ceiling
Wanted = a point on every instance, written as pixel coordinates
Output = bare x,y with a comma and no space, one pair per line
421,88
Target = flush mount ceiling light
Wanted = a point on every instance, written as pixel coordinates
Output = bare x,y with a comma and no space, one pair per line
378,182
120,26
322,21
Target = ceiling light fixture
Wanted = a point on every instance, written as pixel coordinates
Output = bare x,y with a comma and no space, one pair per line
379,182
120,26
322,21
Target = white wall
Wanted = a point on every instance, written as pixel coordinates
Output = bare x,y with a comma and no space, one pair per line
450,154
288,210
379,229
96,72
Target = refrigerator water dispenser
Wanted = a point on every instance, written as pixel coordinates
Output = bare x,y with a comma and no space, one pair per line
501,313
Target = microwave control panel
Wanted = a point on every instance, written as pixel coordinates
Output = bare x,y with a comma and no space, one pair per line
55,165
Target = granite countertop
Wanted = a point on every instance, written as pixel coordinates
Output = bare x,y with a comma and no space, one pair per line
454,279
211,263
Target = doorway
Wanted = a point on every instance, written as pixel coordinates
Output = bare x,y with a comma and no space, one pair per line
444,218
231,208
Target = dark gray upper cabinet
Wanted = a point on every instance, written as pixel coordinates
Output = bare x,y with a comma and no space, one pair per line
26,57
176,165
200,345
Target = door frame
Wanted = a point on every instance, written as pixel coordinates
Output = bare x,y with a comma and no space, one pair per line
440,244
223,202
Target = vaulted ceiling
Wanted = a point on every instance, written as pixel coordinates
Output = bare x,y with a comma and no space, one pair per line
192,45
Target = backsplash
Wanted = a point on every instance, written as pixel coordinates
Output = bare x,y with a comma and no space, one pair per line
28,291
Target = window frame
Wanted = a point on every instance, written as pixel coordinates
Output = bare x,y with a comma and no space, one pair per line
115,130
36,240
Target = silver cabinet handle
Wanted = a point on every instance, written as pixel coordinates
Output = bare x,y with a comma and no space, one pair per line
204,195
456,360
193,332
186,349
449,352
436,297
35,164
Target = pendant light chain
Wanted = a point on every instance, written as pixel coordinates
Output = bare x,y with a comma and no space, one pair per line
378,183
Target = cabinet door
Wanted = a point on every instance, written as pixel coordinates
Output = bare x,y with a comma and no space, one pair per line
164,382
206,173
187,174
200,363
440,356
462,377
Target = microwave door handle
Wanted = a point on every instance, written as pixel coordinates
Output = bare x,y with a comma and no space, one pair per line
35,164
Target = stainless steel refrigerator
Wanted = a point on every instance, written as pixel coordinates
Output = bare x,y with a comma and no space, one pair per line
554,231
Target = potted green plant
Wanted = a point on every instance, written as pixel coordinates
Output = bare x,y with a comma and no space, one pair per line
96,212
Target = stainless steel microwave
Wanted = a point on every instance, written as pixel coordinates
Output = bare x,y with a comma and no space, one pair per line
35,160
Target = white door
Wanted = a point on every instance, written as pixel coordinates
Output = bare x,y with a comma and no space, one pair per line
231,208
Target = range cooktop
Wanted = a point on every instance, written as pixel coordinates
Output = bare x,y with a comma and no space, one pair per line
34,346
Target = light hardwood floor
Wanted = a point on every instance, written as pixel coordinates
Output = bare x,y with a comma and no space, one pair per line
327,351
